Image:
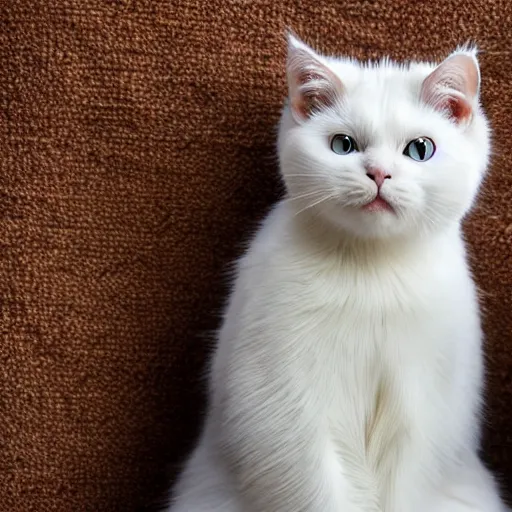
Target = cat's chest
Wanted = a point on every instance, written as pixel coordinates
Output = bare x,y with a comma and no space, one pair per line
385,402
380,352
385,376
378,358
378,378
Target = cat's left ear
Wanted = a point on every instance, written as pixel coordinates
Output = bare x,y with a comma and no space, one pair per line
312,85
453,87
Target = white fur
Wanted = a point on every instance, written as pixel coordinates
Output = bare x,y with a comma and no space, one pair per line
348,373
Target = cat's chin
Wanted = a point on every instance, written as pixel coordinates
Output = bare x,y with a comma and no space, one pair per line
375,220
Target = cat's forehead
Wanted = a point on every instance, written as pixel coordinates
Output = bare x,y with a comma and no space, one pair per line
380,101
384,77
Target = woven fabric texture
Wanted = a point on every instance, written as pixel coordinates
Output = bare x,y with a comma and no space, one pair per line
137,153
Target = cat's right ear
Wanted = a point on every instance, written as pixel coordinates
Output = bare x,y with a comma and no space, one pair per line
312,86
453,86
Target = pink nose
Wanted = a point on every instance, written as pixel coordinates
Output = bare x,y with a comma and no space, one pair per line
378,175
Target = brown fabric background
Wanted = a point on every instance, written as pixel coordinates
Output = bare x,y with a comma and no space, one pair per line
136,154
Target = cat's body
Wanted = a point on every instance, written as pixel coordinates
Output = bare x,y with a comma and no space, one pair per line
348,374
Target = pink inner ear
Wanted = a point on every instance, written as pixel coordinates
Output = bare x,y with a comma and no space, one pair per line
309,102
312,85
458,108
453,86
313,92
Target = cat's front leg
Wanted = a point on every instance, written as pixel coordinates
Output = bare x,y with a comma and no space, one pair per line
279,452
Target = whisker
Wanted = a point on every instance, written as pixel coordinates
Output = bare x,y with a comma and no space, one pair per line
305,175
321,200
302,196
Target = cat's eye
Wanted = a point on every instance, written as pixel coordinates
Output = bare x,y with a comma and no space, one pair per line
420,149
343,144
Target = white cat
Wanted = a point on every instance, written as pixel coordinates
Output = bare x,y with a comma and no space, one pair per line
348,373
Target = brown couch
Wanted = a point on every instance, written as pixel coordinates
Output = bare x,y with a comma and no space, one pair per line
136,155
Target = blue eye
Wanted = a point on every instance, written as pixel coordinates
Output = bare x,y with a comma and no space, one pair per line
343,144
421,149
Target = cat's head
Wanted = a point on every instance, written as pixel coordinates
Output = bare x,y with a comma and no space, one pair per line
382,149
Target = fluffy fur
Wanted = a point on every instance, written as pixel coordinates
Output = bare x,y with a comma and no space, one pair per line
348,372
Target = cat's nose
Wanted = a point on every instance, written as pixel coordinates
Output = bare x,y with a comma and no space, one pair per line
378,175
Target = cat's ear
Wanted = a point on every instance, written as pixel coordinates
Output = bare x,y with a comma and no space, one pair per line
453,87
312,86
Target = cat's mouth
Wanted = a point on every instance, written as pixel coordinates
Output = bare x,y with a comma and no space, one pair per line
378,204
